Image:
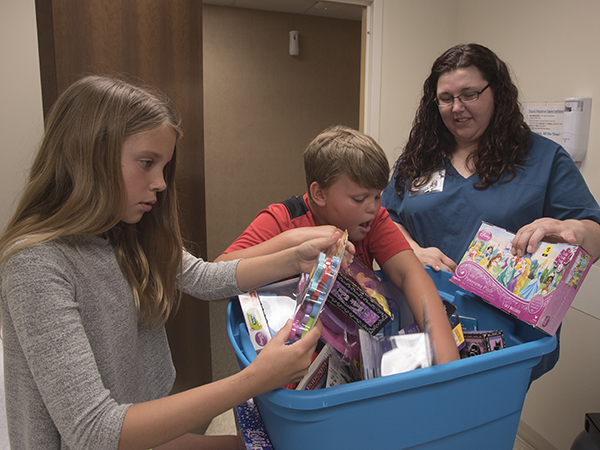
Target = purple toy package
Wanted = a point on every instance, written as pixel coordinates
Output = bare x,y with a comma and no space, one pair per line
357,292
479,342
537,288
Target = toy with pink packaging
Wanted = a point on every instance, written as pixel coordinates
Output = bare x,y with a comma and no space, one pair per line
537,288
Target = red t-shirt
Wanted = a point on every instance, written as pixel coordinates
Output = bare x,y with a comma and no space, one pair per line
383,241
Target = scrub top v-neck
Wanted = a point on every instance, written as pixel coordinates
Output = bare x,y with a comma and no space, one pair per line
548,185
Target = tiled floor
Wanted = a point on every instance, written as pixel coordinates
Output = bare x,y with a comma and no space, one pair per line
522,445
223,424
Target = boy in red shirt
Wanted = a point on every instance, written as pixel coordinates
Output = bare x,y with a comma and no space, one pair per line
346,171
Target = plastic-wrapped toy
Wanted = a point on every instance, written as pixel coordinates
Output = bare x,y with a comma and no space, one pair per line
341,332
358,292
316,289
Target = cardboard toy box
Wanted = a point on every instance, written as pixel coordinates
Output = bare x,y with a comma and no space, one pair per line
537,288
478,342
255,319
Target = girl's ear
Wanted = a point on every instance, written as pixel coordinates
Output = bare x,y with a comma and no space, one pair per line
317,194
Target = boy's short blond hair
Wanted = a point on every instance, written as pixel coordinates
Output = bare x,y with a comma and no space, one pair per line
340,150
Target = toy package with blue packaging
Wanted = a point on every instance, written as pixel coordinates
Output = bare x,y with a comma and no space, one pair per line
251,426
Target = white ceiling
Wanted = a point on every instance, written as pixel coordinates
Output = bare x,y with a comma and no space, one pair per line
309,7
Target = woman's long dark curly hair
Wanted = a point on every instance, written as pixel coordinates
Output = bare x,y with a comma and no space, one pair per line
500,149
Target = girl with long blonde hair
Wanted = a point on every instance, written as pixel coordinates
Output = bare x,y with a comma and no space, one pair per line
91,266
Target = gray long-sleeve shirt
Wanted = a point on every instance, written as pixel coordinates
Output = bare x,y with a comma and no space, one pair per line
75,356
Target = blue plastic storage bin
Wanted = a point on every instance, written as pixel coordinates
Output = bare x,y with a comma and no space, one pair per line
473,403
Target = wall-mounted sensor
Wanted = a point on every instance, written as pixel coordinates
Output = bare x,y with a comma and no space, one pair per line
294,46
576,127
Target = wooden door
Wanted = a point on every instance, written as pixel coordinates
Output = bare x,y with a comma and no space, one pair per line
160,43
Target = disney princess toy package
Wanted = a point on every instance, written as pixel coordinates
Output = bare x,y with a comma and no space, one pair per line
537,288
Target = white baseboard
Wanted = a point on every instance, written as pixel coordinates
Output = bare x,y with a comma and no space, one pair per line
532,438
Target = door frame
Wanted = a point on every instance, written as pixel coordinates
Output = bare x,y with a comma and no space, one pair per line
372,43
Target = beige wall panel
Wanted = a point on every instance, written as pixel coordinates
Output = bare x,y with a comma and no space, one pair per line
556,404
263,106
414,34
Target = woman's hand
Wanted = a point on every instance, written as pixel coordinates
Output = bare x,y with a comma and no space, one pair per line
429,256
434,258
585,233
279,364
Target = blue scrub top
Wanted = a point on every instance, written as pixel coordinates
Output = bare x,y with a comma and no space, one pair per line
549,185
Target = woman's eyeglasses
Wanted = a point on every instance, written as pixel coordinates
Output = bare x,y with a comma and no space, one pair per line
448,100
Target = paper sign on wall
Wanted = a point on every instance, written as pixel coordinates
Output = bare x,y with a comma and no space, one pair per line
545,119
567,123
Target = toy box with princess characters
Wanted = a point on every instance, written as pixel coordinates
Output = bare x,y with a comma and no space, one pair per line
537,288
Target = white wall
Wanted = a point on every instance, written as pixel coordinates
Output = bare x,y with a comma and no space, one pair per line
537,39
552,46
21,122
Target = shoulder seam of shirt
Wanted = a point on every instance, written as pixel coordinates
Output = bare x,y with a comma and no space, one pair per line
295,206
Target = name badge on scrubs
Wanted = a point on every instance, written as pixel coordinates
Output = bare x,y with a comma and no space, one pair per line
436,184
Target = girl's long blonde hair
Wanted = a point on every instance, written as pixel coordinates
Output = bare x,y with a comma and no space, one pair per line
76,187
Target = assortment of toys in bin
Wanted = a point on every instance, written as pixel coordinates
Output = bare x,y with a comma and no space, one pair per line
361,337
290,416
408,350
356,302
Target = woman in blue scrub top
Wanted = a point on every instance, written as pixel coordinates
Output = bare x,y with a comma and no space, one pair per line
471,157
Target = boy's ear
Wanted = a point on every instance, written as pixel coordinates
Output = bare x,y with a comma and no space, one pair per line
317,194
